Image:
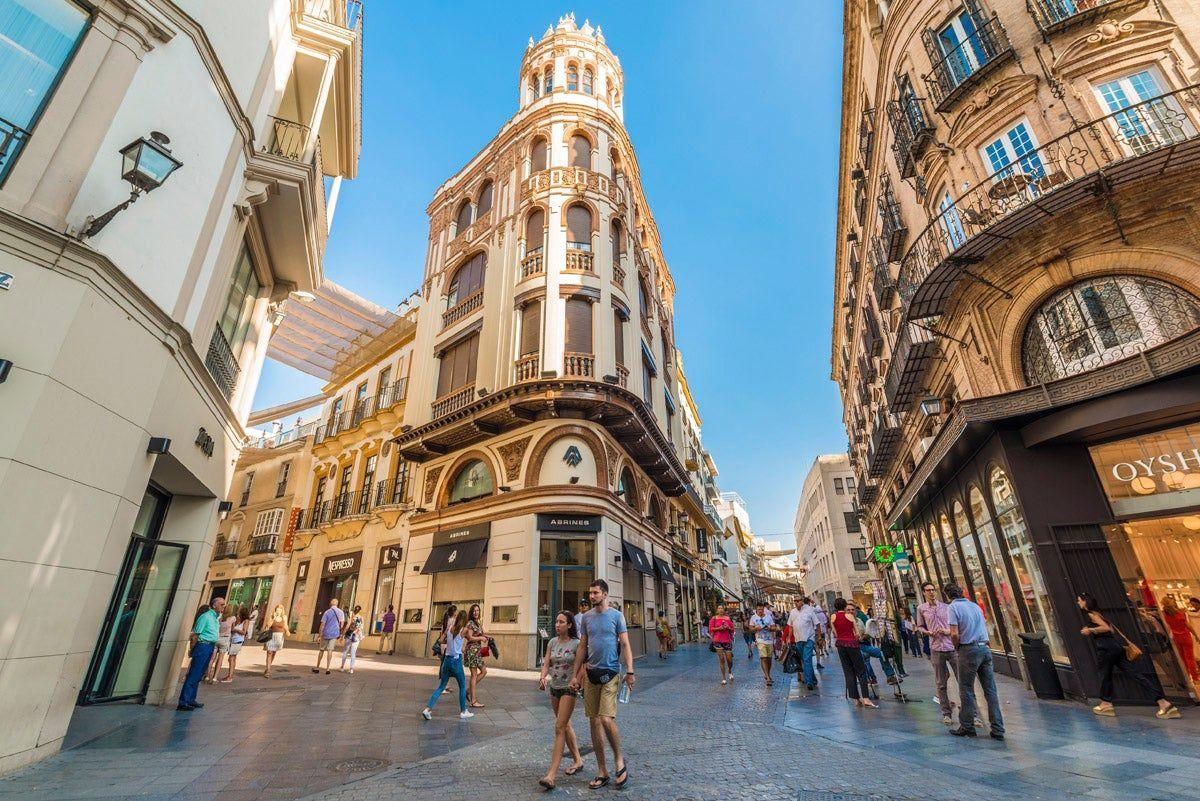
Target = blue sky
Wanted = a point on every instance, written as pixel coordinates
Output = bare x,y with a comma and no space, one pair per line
733,111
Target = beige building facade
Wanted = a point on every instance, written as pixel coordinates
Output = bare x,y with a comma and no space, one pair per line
1016,305
829,544
132,334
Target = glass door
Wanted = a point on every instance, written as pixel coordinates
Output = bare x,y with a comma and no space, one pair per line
137,614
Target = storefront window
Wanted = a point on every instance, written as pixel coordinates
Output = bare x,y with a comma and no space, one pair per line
978,585
473,481
440,607
567,552
939,563
994,561
385,589
1020,551
951,550
1151,472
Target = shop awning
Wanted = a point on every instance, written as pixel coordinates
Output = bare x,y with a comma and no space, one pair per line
636,558
664,570
737,596
455,556
774,586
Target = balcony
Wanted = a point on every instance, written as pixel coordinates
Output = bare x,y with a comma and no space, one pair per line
892,231
266,543
868,491
576,178
363,411
579,260
915,349
527,367
460,310
622,376
579,365
12,140
225,549
691,459
884,441
342,13
618,276
533,264
912,131
882,283
453,401
956,71
245,499
1153,140
1054,16
288,139
854,263
866,137
380,495
222,364
860,197
284,437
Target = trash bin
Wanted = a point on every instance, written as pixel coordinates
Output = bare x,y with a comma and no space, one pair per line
1042,674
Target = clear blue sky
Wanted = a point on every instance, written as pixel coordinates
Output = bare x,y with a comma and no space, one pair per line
733,112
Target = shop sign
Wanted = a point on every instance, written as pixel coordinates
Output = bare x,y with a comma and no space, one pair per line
302,571
389,555
1151,472
902,563
479,531
574,523
343,565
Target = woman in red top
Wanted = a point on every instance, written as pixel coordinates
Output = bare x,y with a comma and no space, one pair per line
1183,634
845,629
720,628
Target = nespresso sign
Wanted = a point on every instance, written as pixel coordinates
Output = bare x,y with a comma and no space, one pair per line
1153,471
342,565
580,523
479,531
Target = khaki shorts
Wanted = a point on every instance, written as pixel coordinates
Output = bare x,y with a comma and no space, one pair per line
600,700
328,644
766,650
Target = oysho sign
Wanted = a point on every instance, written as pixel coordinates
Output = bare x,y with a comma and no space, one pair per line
1150,472
1179,461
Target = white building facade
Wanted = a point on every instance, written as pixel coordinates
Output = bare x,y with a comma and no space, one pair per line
828,534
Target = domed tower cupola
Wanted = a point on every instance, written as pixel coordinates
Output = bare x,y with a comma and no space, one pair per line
572,64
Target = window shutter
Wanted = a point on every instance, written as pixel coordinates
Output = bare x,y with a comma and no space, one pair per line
531,316
538,152
579,326
535,230
619,336
446,372
581,152
464,216
484,205
579,224
470,358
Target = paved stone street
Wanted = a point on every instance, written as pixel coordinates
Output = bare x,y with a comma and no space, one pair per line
358,738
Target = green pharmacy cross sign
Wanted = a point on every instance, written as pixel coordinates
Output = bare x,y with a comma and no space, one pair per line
886,554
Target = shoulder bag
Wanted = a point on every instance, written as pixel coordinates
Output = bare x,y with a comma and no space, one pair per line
1132,652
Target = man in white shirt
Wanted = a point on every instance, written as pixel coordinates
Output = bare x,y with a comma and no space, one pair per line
762,623
804,623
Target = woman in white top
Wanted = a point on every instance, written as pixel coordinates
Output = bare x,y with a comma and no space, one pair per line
237,636
452,665
224,629
558,670
353,634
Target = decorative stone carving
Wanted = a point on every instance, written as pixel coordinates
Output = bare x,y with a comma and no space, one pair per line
511,454
431,479
1108,30
613,456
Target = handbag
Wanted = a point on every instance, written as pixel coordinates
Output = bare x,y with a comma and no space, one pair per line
437,647
484,652
1132,652
263,636
491,647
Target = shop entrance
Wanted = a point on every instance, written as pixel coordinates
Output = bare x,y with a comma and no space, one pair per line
251,594
339,579
567,567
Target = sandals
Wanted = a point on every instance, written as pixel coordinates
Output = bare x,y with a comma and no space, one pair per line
1170,713
621,782
571,771
547,785
598,782
1110,712
475,705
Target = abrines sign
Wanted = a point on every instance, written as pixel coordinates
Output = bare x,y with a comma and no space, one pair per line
586,523
479,531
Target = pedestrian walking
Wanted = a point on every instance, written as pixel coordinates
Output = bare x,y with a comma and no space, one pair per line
332,622
237,638
1110,655
933,623
969,632
748,634
584,606
763,626
870,631
847,631
558,669
201,643
663,631
721,627
224,635
277,627
352,635
452,665
439,645
908,634
822,646
387,634
603,641
1184,635
473,655
803,622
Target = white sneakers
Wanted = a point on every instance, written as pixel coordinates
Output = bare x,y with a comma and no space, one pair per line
427,713
723,682
466,713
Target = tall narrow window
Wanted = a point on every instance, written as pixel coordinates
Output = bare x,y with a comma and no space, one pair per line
647,381
467,281
535,88
384,385
572,78
457,368
838,489
617,240
643,299
579,227
463,217
239,306
951,224
535,232
588,80
961,47
37,40
484,204
531,325
1143,123
285,471
548,80
579,325
537,156
619,336
368,483
1014,153
581,152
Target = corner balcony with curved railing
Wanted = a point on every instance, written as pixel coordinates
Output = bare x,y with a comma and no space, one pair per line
1054,16
580,258
376,407
527,368
534,264
956,70
1155,139
579,365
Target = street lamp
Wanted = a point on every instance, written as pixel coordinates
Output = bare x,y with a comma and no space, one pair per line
146,164
931,406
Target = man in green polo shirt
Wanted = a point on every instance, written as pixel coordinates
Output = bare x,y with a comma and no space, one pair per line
203,640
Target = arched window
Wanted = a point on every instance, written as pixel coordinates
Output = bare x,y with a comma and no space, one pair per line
977,590
535,231
1020,550
572,78
643,299
1101,320
473,480
617,240
484,204
953,567
614,161
655,511
537,155
548,81
579,227
939,559
994,562
467,280
535,87
627,489
588,80
581,152
463,217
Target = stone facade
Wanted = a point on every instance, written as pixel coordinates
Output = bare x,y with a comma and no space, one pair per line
827,533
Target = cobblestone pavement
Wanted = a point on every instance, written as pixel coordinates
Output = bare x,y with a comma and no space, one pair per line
343,738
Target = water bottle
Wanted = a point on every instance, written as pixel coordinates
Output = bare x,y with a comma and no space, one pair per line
624,693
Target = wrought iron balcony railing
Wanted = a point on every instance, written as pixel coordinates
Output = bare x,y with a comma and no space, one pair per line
1053,16
343,13
288,139
265,543
915,348
387,492
283,437
866,137
912,130
365,409
882,283
955,70
884,440
1069,170
222,364
225,549
892,232
12,140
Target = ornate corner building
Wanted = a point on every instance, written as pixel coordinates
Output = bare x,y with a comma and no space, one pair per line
544,435
1017,306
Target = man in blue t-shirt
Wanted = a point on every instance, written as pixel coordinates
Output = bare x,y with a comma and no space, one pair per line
603,640
968,629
